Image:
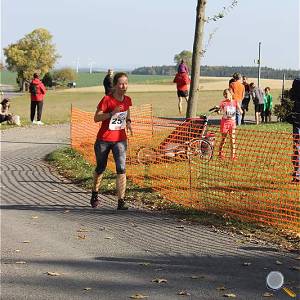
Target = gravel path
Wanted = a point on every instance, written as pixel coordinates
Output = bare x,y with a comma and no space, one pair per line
48,226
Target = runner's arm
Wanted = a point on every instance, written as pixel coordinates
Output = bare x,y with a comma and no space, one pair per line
239,107
101,116
128,122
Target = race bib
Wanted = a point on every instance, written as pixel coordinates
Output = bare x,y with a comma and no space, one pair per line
230,112
118,121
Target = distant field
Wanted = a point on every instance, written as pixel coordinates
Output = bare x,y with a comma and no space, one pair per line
207,83
96,79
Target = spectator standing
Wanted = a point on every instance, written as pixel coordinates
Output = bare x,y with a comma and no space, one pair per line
182,81
233,79
37,93
238,93
268,104
228,107
246,100
108,81
114,114
258,100
182,67
294,119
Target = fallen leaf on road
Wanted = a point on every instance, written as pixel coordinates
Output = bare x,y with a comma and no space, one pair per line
34,217
183,293
229,295
278,262
54,191
20,262
146,264
81,236
53,274
17,250
159,280
108,238
82,230
66,211
138,296
267,294
87,289
133,225
26,242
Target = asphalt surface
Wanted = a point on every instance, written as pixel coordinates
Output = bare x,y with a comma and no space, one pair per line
48,226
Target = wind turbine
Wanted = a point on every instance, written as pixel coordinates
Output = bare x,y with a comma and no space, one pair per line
91,66
77,65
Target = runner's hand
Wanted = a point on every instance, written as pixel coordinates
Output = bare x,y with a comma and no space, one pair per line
116,110
129,128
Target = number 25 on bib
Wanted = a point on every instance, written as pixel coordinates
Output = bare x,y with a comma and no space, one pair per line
118,121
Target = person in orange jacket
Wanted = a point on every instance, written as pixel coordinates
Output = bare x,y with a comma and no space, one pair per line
37,93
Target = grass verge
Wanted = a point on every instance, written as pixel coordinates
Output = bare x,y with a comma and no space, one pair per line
73,166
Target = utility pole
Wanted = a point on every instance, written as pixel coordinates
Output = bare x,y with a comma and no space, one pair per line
283,82
258,62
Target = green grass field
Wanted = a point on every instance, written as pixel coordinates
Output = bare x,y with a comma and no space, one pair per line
58,103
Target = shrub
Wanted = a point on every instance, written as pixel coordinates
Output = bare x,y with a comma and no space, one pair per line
47,80
283,109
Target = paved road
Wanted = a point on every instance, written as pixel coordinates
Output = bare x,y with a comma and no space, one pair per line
47,224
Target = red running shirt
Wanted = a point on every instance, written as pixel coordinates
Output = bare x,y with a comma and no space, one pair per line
182,80
113,129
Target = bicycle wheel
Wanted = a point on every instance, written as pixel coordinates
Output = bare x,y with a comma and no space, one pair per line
201,149
146,155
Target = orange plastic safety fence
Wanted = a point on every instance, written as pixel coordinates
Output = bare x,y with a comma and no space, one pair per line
181,161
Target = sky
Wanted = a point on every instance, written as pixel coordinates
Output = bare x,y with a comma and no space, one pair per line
135,33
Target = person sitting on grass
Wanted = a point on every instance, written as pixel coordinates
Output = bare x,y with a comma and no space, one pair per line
6,116
228,107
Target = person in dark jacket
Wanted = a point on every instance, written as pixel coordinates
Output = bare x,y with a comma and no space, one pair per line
108,82
37,93
294,119
257,95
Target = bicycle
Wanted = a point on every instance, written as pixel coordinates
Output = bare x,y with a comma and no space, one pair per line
189,140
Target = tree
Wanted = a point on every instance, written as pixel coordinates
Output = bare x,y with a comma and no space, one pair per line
63,76
47,80
186,56
197,50
34,53
284,109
